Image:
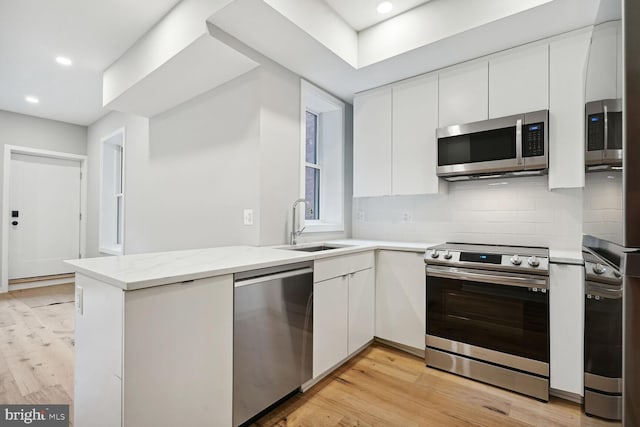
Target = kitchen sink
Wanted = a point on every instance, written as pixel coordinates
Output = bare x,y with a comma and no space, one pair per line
315,248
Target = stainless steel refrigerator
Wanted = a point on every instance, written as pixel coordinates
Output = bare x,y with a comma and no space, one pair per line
612,199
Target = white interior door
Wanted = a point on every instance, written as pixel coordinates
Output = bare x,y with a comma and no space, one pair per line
44,193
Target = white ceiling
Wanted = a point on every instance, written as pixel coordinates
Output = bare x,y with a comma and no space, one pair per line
361,14
93,33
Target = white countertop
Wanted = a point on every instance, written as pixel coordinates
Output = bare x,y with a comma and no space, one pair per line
131,272
565,257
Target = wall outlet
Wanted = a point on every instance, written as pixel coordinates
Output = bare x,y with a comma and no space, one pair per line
407,217
248,217
360,215
79,300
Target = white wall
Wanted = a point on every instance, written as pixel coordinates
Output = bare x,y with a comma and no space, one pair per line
187,187
190,172
521,212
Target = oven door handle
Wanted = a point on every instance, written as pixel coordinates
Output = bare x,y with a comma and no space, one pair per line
493,278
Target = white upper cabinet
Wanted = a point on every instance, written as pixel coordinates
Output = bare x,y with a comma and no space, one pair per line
464,94
519,81
603,62
415,119
372,143
567,62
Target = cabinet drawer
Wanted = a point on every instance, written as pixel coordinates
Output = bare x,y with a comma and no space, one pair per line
328,268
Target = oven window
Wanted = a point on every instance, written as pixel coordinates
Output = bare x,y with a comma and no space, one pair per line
603,337
508,319
499,144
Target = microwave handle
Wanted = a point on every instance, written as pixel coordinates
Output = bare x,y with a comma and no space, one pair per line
519,158
606,131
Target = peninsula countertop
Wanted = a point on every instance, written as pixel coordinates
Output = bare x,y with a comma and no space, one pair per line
138,271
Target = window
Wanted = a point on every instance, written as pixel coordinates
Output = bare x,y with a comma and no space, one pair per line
112,193
312,168
322,174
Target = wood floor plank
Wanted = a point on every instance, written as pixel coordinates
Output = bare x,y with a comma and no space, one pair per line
386,387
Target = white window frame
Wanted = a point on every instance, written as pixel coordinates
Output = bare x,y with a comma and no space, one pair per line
106,246
331,203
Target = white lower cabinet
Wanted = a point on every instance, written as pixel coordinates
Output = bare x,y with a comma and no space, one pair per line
160,356
566,329
361,308
330,323
343,308
401,298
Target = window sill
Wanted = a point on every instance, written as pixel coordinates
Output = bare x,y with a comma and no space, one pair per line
322,227
111,250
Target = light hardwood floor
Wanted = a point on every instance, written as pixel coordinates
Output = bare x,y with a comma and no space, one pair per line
379,387
36,346
386,387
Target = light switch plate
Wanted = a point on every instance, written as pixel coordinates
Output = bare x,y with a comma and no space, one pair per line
79,300
248,217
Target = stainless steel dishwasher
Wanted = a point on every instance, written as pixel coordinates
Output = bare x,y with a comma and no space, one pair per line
272,336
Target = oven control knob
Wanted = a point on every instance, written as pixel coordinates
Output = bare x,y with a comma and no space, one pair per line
533,261
435,254
447,254
516,260
599,269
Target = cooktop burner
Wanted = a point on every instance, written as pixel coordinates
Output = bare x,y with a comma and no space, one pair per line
492,257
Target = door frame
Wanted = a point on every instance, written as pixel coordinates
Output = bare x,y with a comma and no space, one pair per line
16,149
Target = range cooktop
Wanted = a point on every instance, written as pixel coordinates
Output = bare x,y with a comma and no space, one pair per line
491,257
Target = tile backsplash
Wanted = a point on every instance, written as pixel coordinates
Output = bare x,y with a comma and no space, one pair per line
603,205
516,211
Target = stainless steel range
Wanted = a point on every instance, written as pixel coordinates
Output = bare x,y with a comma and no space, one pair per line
603,335
488,314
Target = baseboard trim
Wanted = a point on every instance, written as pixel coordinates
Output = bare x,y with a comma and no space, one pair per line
406,348
40,284
566,395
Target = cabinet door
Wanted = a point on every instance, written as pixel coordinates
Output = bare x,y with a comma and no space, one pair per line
567,59
415,120
401,298
97,390
603,62
330,323
566,318
464,94
519,81
372,143
178,362
361,308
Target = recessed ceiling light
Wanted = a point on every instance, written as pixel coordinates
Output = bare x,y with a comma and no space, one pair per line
384,7
31,99
63,61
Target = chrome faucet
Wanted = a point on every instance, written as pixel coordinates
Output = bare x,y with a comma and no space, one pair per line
295,232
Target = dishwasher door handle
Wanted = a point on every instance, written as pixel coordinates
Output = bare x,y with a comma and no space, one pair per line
269,277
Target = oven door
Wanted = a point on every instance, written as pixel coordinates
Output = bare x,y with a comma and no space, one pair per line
506,313
603,337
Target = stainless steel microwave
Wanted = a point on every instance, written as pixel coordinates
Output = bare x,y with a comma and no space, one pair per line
603,133
507,146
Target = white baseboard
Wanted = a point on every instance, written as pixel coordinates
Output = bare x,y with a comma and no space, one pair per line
40,284
566,395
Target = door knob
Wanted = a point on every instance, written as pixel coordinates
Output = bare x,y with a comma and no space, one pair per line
14,222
